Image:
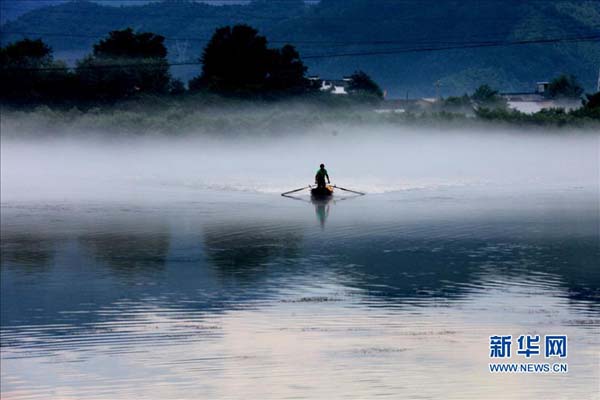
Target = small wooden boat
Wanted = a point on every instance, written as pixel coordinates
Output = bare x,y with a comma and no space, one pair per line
322,193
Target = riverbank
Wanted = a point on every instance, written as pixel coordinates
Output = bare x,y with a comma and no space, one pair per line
217,116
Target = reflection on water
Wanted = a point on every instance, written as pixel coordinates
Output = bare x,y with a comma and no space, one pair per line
322,210
127,252
30,250
390,295
247,250
322,205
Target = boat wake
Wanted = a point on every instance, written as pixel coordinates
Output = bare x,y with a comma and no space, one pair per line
165,169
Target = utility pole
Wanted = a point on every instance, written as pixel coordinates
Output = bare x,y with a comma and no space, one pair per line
438,84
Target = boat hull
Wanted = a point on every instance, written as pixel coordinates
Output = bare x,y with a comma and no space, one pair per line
322,193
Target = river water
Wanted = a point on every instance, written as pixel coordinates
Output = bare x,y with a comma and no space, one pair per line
222,294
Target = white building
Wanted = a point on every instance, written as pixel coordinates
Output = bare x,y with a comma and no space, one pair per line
334,86
532,102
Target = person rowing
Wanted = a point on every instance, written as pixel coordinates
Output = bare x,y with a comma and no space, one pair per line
323,189
320,177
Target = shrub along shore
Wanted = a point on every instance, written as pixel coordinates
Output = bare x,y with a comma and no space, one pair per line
217,116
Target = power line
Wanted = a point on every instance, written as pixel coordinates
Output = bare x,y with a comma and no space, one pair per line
355,54
562,30
318,42
466,46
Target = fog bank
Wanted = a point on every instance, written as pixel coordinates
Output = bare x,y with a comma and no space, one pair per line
374,159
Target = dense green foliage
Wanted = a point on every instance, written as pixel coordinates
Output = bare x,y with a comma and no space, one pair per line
209,114
589,114
361,84
592,101
565,86
483,97
126,43
29,73
487,105
123,64
237,61
457,104
126,64
359,26
487,97
591,107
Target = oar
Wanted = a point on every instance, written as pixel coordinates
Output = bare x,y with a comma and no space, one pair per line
348,190
287,196
295,190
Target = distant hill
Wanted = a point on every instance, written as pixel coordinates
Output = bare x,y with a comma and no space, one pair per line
338,27
12,9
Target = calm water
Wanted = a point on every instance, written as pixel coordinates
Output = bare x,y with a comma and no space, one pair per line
257,296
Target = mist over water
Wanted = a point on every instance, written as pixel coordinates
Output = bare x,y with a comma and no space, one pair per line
170,267
376,160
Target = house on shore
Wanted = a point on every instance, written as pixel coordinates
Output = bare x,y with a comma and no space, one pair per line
532,102
334,86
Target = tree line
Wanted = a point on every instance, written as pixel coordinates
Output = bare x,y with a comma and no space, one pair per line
236,62
564,87
487,103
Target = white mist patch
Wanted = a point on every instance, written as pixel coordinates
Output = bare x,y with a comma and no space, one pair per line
375,160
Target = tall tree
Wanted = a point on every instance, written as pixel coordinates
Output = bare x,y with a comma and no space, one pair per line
565,86
127,44
592,101
363,84
486,97
287,70
29,74
123,64
591,106
237,61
